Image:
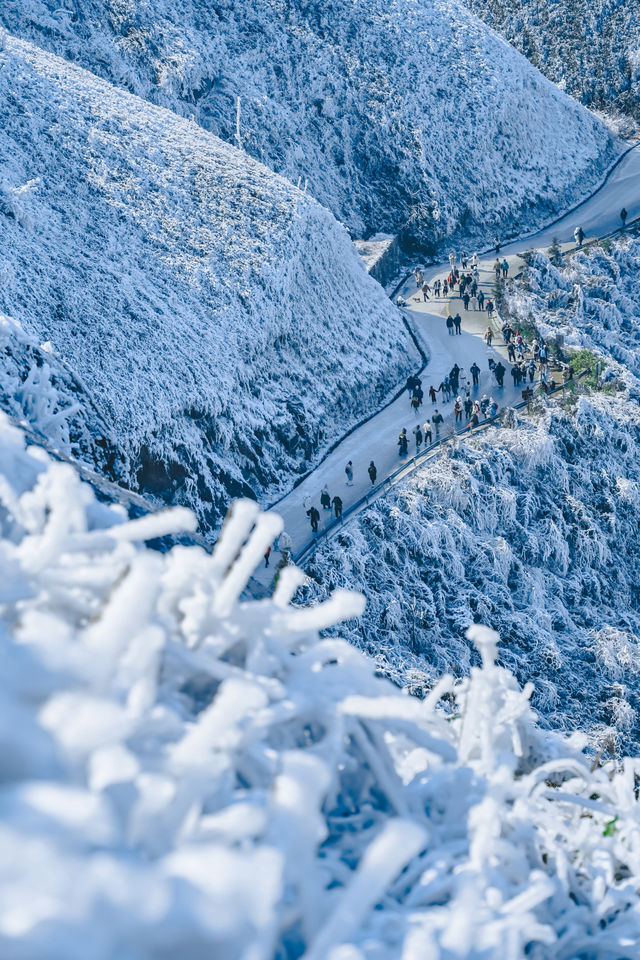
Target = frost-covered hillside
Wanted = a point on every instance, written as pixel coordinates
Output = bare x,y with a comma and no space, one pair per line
188,776
534,529
218,322
592,299
591,49
406,113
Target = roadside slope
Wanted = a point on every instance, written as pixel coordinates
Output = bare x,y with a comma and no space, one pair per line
219,319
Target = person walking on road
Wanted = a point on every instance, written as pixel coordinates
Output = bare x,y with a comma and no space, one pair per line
426,290
505,269
337,506
349,472
373,472
417,432
623,217
432,393
266,557
450,325
466,298
475,373
437,419
488,336
499,372
481,299
497,268
496,241
314,517
532,370
457,322
419,276
578,235
437,287
325,499
458,408
426,433
403,443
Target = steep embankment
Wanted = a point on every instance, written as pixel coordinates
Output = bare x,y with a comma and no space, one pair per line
592,50
533,529
413,112
218,325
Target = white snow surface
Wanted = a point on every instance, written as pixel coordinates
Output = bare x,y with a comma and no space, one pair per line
188,775
403,113
218,323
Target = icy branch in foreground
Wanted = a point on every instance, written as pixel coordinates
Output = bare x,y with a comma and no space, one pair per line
189,774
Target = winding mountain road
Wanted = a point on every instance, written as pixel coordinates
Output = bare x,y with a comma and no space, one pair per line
376,439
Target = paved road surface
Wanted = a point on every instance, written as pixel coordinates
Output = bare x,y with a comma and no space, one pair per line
377,439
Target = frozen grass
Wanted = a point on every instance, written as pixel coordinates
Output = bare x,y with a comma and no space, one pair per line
188,775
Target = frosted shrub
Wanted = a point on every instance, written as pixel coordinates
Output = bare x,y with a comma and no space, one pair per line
190,774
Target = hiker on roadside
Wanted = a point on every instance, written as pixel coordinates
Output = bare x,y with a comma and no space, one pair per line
437,419
349,472
493,408
497,268
496,241
403,443
475,373
372,471
466,298
474,261
531,369
515,373
623,217
481,299
426,433
416,400
506,331
437,286
473,422
578,235
499,372
505,268
337,506
488,336
419,276
474,303
417,433
314,517
445,289
511,352
484,405
432,393
450,325
325,499
266,557
426,290
489,308
458,408
457,322
468,405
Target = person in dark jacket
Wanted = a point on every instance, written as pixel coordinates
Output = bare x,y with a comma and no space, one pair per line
499,372
403,443
515,373
450,325
475,373
337,506
432,393
372,471
623,217
437,419
314,517
457,322
325,499
511,351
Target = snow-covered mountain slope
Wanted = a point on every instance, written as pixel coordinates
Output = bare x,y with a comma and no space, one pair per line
220,323
591,49
406,113
185,775
534,529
